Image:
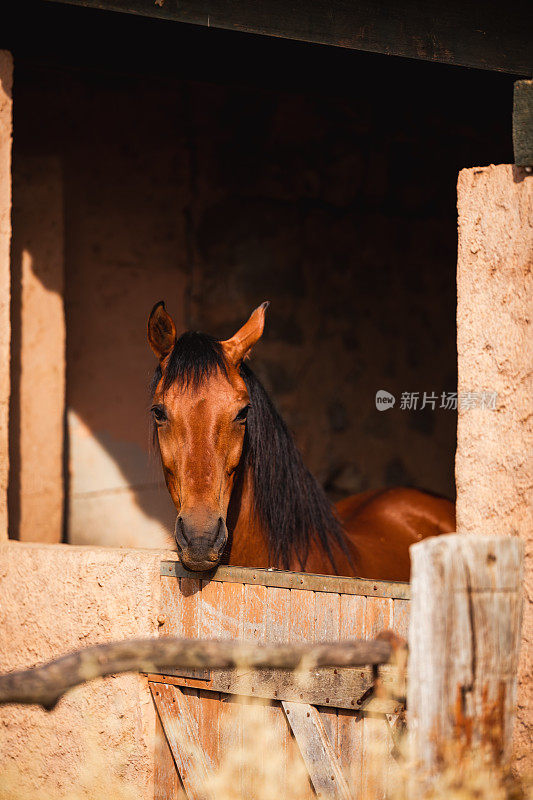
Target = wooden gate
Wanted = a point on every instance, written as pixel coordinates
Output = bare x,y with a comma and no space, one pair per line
331,719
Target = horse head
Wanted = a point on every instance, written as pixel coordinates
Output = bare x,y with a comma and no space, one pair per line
199,408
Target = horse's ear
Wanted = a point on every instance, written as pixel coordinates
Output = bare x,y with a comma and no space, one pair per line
240,344
161,331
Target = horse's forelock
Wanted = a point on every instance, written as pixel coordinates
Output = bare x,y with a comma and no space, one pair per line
194,357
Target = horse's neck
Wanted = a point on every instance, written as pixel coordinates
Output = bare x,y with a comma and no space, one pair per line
249,544
249,541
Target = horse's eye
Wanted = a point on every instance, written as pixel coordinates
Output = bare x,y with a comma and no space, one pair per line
243,413
159,413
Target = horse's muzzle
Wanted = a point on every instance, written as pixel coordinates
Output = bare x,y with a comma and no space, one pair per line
200,548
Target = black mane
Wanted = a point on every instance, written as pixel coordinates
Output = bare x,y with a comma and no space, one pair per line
194,357
291,504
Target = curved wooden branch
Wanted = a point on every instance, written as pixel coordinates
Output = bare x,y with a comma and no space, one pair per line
44,685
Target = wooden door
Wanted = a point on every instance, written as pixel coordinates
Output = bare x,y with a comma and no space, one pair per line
244,731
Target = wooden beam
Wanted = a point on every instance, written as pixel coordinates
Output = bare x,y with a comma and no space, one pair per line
523,124
334,688
166,778
464,641
475,33
284,579
6,133
317,752
182,736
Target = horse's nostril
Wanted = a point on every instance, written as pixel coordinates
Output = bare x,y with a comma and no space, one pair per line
180,535
220,538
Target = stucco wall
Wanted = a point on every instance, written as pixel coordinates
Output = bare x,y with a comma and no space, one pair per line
6,75
36,487
99,740
494,463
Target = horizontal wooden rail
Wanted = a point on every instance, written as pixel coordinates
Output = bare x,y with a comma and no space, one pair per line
283,579
44,685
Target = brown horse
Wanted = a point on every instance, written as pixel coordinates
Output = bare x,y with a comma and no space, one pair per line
241,490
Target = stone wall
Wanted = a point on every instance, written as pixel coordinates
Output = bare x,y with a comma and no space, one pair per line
494,464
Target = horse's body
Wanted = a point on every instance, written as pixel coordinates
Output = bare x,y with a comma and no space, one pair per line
242,492
379,528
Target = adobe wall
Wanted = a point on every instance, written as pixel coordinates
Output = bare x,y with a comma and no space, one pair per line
494,463
6,76
36,486
100,737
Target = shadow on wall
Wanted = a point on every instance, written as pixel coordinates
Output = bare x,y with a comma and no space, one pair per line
111,481
67,480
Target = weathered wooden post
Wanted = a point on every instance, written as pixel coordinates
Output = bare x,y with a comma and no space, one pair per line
464,640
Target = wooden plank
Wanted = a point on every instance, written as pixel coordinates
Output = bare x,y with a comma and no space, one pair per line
277,627
464,643
302,616
327,623
180,612
190,625
293,580
400,617
182,736
350,723
317,752
209,623
331,688
231,712
301,629
255,718
523,124
376,733
167,784
180,609
474,33
278,610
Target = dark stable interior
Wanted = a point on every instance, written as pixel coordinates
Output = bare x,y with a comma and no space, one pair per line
217,170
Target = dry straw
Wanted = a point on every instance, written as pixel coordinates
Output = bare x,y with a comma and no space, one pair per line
253,767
